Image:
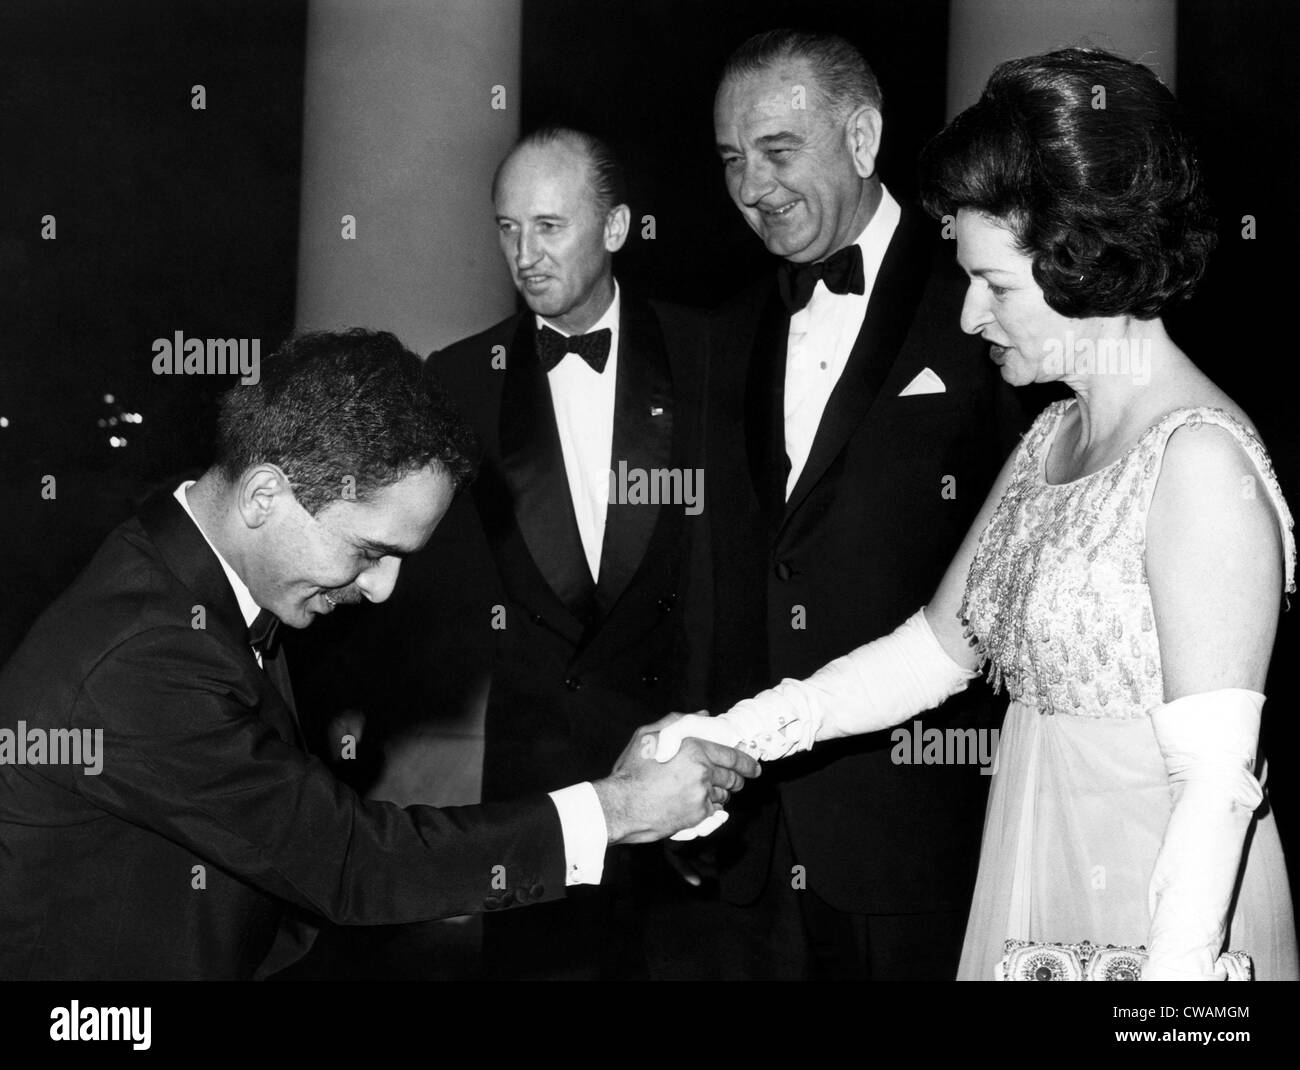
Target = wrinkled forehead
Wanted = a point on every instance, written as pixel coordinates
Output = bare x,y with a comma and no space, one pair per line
780,92
545,177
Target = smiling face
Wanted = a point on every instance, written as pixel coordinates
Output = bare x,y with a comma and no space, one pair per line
351,551
802,178
558,245
1005,306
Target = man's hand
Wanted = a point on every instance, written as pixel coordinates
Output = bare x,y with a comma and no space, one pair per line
645,800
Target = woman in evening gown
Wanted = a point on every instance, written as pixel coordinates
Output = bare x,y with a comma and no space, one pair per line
1122,582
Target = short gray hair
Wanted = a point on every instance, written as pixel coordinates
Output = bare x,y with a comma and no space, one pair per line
844,78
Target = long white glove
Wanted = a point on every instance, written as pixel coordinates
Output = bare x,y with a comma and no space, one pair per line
1208,742
875,686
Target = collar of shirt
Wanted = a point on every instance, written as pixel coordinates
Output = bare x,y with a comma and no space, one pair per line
609,319
821,337
243,595
873,241
583,401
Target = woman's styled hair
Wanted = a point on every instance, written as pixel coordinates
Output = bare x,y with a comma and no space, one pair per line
1084,156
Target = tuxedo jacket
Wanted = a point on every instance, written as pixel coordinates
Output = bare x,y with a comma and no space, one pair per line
208,818
576,663
888,491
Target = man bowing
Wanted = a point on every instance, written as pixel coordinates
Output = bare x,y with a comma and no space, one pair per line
205,821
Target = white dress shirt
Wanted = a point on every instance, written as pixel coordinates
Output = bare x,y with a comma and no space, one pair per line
243,595
582,820
583,399
821,338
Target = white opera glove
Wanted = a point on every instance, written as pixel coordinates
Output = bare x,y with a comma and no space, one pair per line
1208,742
876,686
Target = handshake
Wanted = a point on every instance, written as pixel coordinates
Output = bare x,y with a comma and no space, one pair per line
701,760
671,783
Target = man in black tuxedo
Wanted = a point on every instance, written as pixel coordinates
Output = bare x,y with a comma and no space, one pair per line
853,433
175,853
584,402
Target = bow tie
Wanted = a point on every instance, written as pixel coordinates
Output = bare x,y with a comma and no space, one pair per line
841,272
263,633
552,347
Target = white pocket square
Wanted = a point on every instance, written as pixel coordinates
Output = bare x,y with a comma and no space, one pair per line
925,383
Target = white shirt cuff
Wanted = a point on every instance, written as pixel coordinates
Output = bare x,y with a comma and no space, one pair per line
582,821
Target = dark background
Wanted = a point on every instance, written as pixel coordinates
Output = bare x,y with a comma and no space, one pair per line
170,219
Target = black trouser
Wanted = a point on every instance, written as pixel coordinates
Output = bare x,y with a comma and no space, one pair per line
791,934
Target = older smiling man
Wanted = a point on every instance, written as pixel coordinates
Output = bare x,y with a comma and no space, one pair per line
851,439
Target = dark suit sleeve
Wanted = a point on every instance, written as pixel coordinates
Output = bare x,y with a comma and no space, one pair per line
186,754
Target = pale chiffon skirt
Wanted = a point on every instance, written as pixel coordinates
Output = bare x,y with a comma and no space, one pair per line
1076,813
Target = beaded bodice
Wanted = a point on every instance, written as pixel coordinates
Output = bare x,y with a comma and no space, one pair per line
1057,597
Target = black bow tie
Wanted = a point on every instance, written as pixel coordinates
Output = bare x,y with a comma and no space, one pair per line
263,633
841,272
552,347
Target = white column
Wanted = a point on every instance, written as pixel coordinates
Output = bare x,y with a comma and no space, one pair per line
983,33
400,132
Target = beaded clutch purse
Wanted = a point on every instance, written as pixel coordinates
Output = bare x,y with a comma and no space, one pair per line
1028,961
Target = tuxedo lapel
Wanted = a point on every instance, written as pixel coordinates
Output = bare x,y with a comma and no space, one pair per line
894,297
532,463
189,557
642,442
275,665
769,466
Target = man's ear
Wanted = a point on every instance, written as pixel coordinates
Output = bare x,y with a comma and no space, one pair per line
617,221
262,490
863,131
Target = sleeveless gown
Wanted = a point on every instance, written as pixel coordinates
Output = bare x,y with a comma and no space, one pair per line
1057,600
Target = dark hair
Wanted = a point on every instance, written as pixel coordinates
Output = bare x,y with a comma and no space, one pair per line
1084,156
604,173
843,76
329,406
